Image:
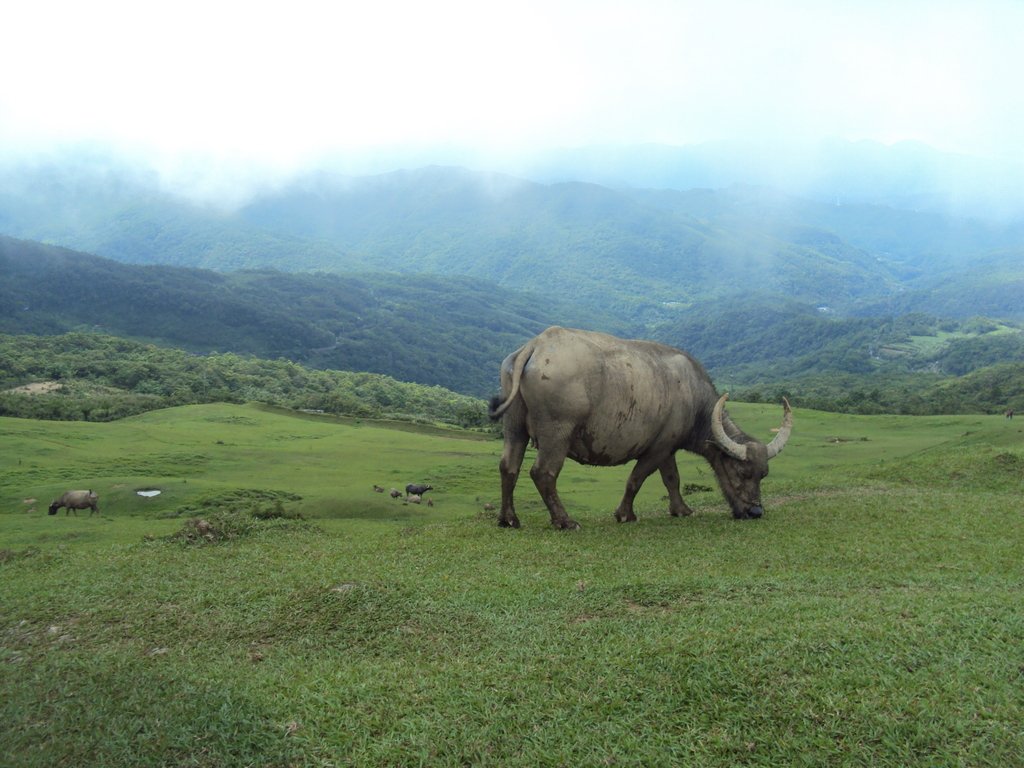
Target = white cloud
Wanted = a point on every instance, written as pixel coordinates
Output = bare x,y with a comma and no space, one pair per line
282,82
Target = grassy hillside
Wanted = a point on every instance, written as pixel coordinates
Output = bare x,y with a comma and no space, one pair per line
870,618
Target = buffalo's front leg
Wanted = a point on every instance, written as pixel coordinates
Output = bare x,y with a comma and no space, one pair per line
645,465
545,471
670,476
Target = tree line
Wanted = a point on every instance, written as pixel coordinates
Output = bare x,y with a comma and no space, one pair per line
101,378
97,377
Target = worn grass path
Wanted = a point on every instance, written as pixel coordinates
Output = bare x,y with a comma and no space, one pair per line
873,617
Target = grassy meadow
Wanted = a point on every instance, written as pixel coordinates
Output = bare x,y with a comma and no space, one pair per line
873,617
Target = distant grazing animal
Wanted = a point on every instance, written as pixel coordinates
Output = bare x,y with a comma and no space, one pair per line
76,500
1009,413
395,493
604,401
413,498
430,502
415,488
378,489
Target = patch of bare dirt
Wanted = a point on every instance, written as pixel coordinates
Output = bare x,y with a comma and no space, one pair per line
37,388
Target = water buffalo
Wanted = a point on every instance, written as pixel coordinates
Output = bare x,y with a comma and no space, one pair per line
76,500
605,401
417,489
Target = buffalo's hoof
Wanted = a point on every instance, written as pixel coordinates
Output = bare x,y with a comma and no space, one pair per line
513,523
566,525
627,518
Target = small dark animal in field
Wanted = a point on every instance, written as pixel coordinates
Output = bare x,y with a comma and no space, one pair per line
417,488
1009,413
488,507
430,502
413,499
395,493
378,489
604,401
76,500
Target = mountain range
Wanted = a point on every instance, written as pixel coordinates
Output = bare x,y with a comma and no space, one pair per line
432,274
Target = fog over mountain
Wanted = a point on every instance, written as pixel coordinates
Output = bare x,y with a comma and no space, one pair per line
638,249
906,175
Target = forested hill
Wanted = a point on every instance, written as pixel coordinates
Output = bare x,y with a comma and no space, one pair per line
450,332
453,332
95,377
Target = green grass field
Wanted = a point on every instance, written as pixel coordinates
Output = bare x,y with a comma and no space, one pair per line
873,617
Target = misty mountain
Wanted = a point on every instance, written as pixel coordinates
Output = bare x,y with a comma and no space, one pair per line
105,206
641,254
907,175
582,240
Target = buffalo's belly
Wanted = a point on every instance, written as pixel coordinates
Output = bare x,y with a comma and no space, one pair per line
606,447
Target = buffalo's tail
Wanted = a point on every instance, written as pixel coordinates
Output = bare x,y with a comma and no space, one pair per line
497,407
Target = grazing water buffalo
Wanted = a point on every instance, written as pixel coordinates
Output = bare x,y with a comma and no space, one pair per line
76,500
605,401
417,489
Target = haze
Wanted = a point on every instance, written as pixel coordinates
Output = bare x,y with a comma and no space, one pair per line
280,86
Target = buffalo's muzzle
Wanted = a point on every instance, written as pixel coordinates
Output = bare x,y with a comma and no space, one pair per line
755,512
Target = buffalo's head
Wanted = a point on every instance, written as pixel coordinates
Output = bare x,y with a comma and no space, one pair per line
741,462
53,508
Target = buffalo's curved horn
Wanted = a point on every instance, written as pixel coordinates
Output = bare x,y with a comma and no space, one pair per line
779,441
726,443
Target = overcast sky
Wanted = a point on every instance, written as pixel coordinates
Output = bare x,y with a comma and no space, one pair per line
280,83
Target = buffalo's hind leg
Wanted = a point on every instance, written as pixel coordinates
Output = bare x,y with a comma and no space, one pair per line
550,459
516,440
